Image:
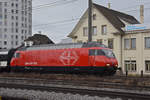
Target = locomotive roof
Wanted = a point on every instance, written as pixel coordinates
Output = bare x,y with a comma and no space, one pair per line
64,46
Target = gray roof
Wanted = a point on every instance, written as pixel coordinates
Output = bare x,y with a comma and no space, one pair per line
114,17
40,39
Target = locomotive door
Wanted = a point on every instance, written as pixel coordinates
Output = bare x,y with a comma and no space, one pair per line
92,53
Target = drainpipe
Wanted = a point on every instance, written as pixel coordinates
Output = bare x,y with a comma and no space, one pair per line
121,53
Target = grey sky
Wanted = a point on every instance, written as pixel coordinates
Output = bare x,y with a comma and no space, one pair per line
56,13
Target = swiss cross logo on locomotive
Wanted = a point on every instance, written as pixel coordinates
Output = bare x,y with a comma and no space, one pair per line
69,57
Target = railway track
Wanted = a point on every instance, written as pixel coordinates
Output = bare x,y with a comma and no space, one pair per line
33,75
100,93
97,84
62,86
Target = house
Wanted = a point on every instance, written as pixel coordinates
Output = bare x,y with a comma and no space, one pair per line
37,39
108,27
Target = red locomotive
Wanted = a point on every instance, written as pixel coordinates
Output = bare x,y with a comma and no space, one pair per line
79,57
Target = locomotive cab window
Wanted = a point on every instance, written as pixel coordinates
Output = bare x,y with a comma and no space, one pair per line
108,53
17,55
96,52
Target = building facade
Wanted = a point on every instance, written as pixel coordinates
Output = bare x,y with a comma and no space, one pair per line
136,52
109,29
15,22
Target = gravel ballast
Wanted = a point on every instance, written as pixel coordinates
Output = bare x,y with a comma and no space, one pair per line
38,95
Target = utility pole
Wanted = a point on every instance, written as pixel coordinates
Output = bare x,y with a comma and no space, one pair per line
90,21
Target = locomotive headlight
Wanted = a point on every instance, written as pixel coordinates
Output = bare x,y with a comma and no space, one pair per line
116,65
107,64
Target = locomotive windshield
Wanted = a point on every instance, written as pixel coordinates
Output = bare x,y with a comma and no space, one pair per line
103,52
16,55
108,53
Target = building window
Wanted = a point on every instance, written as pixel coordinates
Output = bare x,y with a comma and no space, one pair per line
12,4
22,25
22,37
12,17
126,43
5,30
147,42
16,30
16,5
16,17
100,41
16,37
22,31
110,43
104,29
12,11
16,42
16,24
5,10
94,30
130,43
5,42
85,31
133,43
130,65
16,11
94,16
147,65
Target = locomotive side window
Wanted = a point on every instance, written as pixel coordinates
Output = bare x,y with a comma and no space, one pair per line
100,52
96,52
92,52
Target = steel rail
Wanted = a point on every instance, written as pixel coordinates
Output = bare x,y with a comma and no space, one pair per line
97,84
100,93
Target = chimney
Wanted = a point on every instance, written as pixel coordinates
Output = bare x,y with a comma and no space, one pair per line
109,4
142,14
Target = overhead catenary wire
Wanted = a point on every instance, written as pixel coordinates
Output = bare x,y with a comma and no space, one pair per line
71,20
52,4
56,3
56,22
67,20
